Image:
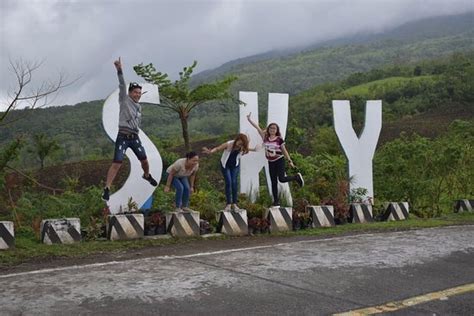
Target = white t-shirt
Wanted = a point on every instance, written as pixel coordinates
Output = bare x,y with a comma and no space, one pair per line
180,170
227,152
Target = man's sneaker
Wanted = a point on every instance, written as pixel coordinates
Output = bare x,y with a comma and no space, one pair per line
187,209
228,207
151,180
178,210
106,194
299,179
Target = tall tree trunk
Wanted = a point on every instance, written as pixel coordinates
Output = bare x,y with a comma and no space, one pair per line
184,126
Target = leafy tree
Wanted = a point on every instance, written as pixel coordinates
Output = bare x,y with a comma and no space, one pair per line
179,97
453,162
429,174
7,154
43,147
400,170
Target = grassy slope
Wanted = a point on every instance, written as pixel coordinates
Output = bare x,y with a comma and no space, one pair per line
388,83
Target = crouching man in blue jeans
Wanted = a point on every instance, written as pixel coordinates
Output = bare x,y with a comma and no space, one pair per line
129,123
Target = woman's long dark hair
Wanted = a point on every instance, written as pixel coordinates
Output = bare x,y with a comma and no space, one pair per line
245,143
277,133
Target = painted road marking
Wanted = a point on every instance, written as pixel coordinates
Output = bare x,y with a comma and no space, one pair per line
397,305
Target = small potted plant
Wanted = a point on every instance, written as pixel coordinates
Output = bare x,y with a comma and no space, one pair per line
155,224
341,211
254,225
340,202
204,227
301,217
160,223
264,225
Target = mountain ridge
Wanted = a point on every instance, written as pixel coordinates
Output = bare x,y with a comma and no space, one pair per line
403,31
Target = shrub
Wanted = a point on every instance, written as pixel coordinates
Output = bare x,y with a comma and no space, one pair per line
206,202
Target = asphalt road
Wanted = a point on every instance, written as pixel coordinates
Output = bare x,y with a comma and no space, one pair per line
310,277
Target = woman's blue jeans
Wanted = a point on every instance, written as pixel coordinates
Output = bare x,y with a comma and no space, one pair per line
230,178
181,184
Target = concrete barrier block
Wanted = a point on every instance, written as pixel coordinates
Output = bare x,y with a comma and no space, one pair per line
280,218
464,206
360,213
183,224
321,215
7,235
396,211
125,226
60,231
233,223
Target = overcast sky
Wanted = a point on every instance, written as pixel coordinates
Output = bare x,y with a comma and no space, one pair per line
83,37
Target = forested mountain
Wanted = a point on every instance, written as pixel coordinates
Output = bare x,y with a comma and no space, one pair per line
422,67
424,98
292,72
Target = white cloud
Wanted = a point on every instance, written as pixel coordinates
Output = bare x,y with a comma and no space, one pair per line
84,37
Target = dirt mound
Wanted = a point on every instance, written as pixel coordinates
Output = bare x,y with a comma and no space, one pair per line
55,179
430,124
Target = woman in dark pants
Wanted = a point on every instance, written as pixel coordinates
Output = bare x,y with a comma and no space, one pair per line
230,166
275,152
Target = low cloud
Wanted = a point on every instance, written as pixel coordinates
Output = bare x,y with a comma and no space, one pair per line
84,37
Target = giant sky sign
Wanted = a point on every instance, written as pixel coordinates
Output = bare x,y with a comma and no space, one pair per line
134,188
253,162
359,150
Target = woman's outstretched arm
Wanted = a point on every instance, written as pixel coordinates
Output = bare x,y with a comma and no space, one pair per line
260,131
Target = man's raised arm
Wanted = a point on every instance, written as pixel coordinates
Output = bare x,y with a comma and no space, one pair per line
118,66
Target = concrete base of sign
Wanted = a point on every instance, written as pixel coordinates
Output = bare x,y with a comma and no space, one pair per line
125,226
464,206
322,215
360,213
61,231
280,218
395,211
233,223
7,235
183,224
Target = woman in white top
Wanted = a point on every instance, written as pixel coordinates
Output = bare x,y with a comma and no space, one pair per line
230,166
182,174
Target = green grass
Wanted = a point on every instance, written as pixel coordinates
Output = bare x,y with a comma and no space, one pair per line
412,223
29,249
